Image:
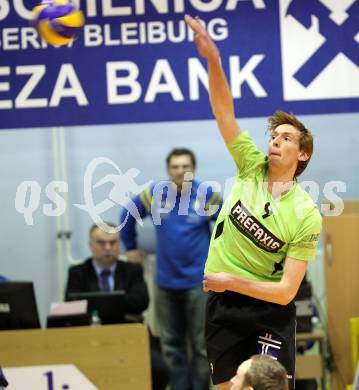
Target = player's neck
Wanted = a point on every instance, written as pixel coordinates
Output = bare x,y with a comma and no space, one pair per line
279,181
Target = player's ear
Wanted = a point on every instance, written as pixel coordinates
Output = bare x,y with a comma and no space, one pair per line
303,156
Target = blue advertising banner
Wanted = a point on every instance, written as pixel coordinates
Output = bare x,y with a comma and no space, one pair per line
135,61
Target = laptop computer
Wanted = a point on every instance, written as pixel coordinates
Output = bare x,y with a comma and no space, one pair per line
110,306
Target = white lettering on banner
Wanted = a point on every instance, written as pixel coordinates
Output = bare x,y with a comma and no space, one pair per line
181,34
128,82
131,33
5,87
21,10
123,86
30,36
163,80
107,8
107,36
4,9
208,6
66,76
160,6
36,73
92,35
239,76
197,73
179,6
259,4
91,8
10,39
218,29
153,32
156,32
163,70
19,7
232,4
128,34
14,38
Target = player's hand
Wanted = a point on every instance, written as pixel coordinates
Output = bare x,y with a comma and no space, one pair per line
217,282
205,45
135,256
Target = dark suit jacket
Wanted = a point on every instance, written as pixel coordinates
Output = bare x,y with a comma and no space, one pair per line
128,277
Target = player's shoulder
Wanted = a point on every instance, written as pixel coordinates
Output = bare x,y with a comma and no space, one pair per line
305,204
130,267
203,187
82,267
149,189
302,195
242,136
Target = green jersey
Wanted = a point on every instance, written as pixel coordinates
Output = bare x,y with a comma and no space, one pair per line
254,232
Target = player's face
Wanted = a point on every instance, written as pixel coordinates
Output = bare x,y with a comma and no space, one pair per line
284,147
178,166
104,247
237,380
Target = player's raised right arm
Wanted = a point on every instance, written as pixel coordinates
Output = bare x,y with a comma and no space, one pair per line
219,92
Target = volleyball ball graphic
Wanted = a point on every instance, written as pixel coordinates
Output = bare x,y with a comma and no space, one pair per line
58,21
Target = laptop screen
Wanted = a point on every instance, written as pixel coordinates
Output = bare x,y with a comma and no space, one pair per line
18,309
110,306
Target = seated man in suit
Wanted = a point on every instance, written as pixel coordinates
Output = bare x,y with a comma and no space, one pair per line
104,272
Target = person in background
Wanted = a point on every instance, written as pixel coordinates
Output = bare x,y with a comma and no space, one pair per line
104,272
182,210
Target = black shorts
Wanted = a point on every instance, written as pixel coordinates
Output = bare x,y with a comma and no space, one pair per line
238,326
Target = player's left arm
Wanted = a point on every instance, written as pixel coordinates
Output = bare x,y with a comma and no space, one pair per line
282,292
